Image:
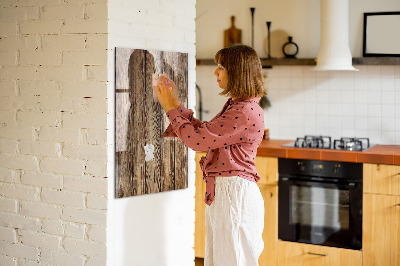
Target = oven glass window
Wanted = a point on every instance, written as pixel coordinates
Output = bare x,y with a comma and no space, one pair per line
317,207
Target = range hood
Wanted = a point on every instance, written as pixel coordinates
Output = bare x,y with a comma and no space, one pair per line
334,51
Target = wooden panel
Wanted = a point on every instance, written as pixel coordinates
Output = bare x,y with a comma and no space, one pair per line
381,230
123,124
180,69
152,115
381,179
168,144
200,207
270,233
137,66
267,168
140,122
297,254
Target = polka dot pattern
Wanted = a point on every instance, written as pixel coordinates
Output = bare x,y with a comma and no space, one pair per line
231,138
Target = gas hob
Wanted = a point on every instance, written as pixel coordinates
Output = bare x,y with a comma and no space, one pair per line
325,142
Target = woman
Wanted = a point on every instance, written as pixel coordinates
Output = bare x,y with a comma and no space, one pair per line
235,208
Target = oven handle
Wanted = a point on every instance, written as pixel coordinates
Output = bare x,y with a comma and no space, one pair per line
297,181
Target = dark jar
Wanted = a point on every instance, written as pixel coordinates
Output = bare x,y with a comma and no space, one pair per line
290,49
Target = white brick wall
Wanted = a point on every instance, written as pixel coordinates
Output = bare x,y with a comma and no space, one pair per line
54,133
53,110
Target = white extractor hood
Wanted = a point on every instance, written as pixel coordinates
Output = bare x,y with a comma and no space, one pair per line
334,51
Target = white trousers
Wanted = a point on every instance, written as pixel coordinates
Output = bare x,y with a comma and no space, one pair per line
234,223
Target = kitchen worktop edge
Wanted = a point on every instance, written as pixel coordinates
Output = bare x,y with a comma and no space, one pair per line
378,154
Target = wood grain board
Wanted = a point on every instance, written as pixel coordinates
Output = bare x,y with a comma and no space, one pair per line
140,121
232,35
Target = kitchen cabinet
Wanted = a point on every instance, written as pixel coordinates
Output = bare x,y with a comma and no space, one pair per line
200,207
381,179
270,233
291,253
267,167
381,230
381,215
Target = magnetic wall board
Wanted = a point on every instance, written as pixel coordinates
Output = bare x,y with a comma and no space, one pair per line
145,162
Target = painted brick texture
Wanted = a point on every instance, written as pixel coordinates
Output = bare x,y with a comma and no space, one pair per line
53,111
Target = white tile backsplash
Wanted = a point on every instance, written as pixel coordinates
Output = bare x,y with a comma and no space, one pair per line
364,103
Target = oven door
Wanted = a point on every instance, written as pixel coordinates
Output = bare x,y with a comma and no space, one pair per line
321,212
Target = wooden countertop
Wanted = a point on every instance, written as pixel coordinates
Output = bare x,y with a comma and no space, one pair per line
379,154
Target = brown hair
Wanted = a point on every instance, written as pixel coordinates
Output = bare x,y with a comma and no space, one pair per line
245,78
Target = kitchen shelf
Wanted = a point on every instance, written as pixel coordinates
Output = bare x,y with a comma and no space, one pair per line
312,61
376,61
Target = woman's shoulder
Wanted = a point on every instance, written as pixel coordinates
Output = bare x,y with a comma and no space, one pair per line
249,104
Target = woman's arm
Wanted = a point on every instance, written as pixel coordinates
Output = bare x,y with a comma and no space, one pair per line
167,94
228,129
186,113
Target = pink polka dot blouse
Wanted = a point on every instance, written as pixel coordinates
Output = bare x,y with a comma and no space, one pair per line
231,139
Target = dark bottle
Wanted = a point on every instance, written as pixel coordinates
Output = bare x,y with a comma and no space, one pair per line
290,49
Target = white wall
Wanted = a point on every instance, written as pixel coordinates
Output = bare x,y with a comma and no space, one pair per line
154,229
338,104
53,190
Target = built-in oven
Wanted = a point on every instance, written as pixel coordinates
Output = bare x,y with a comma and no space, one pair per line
320,202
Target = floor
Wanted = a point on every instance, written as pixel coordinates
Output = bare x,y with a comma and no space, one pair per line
199,262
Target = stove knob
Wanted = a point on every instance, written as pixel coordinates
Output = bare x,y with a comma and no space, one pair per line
336,169
301,166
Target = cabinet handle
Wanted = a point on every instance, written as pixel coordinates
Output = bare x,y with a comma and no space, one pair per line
318,254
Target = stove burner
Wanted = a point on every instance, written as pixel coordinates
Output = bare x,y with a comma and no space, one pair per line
308,141
351,144
324,142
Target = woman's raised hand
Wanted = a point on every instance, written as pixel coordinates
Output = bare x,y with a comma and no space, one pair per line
174,90
163,91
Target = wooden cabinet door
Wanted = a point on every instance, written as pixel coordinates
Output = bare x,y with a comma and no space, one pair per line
381,230
267,168
381,179
200,207
270,233
297,254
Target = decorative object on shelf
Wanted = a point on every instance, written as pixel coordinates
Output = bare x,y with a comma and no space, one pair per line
269,38
144,161
266,134
252,9
277,39
378,39
264,103
334,51
232,35
290,49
